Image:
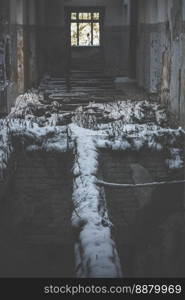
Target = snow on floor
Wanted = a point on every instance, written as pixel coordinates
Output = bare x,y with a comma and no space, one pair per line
129,112
140,137
95,251
30,107
50,138
175,160
33,137
128,125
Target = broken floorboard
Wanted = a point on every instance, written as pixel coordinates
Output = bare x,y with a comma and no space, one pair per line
82,87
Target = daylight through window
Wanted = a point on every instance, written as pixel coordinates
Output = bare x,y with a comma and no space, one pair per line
85,29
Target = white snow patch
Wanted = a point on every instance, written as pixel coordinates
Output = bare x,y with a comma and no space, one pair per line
23,104
95,252
129,112
175,162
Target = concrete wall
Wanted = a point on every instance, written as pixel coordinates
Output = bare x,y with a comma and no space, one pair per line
115,34
160,52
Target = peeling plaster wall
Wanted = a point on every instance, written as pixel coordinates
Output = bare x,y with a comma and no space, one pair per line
18,35
32,44
182,97
26,44
4,41
161,44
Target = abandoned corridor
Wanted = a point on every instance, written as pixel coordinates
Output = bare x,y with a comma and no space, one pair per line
92,96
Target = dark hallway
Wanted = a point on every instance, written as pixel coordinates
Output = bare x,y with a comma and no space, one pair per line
92,138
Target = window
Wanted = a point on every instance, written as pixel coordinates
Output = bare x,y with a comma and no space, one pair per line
85,29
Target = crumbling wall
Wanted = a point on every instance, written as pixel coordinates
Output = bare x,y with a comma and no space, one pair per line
176,46
18,50
152,36
161,42
4,59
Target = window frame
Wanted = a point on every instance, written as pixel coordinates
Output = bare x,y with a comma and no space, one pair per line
92,21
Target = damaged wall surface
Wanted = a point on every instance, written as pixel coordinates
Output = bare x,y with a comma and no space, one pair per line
18,58
161,44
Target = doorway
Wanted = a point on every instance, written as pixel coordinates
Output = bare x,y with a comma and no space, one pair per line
85,39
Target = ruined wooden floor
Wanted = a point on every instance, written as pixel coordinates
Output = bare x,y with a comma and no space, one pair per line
82,87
